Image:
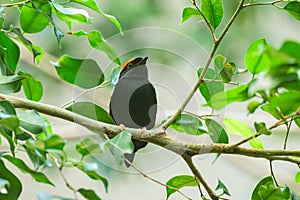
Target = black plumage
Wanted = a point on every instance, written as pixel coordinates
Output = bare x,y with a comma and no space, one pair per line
133,102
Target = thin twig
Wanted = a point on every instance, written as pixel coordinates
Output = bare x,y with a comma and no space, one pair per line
154,180
15,4
102,85
245,140
272,3
189,162
287,134
220,81
272,173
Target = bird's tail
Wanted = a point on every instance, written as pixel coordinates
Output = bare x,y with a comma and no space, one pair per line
129,158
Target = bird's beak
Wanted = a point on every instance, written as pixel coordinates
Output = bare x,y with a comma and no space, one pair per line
144,60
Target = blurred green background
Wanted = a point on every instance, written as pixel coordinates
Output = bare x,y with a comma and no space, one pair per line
152,28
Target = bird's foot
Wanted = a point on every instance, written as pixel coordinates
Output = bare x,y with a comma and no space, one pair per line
122,127
144,129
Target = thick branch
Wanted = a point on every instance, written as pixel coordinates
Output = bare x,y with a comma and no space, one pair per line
155,136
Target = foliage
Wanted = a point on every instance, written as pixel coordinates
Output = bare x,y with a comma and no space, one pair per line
275,81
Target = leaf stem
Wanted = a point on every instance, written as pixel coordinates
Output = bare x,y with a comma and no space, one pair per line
287,134
272,173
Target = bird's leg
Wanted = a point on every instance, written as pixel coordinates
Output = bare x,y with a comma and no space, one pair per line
144,129
122,127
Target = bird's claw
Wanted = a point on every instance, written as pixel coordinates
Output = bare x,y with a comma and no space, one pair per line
144,129
122,127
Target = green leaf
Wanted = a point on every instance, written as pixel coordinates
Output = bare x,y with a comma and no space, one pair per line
221,99
115,74
210,88
84,73
213,11
88,194
216,132
10,122
92,111
253,105
237,127
188,13
297,120
256,60
31,121
291,48
264,181
37,176
7,108
2,14
273,111
33,88
222,187
70,14
88,146
119,145
4,184
36,51
226,70
59,34
288,102
53,142
45,196
180,182
189,124
293,8
262,128
32,17
92,5
297,177
15,186
10,84
35,150
98,42
91,169
12,52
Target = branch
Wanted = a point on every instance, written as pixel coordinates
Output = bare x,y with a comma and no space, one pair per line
155,136
272,3
189,162
154,180
15,4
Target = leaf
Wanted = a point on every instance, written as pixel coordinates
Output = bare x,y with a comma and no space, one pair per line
115,74
37,176
222,187
119,145
31,121
59,34
180,182
226,70
33,88
261,128
216,132
10,84
53,142
92,111
188,12
210,88
88,146
3,184
255,195
237,127
12,52
70,14
91,169
287,102
32,17
84,73
37,51
35,150
98,42
273,111
221,99
10,122
15,186
297,177
293,8
92,5
88,194
45,196
213,11
189,124
253,105
256,60
2,14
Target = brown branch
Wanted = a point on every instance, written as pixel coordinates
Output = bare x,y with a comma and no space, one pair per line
196,172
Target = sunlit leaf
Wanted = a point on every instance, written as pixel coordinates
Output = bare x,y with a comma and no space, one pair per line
293,8
288,102
237,127
213,11
88,146
180,182
11,52
33,88
188,13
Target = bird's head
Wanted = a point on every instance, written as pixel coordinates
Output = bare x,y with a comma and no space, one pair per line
132,64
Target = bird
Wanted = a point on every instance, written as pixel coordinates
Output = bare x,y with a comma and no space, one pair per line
133,102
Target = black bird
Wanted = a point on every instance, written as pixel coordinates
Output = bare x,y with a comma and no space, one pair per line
133,102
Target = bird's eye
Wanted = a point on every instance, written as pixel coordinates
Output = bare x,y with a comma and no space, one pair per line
130,65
